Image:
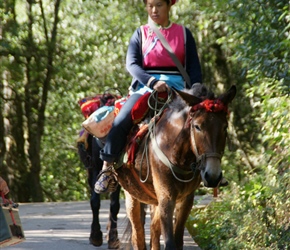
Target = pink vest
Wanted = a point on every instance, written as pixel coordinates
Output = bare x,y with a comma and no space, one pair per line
154,54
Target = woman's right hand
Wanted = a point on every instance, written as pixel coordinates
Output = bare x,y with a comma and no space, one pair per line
160,86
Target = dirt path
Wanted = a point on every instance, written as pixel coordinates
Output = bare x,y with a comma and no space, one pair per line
66,226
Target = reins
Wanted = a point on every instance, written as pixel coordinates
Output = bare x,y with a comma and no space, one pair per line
174,169
157,113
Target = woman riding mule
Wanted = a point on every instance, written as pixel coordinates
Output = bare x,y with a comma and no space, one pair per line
152,69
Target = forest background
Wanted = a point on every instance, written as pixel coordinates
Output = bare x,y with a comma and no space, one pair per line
53,53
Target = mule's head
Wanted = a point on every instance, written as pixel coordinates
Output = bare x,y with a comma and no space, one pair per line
208,132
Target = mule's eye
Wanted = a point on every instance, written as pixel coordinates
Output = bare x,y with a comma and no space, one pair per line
197,127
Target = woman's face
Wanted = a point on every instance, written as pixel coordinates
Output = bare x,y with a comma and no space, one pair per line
158,10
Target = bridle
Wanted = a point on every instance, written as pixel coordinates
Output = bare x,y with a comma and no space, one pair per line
213,106
201,159
199,165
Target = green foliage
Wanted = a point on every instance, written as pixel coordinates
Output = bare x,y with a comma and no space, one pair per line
263,29
256,218
89,60
254,213
63,176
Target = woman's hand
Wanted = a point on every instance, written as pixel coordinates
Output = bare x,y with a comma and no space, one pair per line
3,186
160,86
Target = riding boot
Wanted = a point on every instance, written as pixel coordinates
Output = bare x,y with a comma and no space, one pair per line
106,181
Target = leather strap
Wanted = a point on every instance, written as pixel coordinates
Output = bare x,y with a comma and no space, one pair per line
164,159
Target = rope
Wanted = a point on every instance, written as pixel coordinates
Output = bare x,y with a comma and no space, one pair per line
153,98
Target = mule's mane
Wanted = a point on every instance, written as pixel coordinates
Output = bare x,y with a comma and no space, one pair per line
179,104
215,105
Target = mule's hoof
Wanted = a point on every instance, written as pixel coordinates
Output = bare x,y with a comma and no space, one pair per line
96,238
112,238
114,244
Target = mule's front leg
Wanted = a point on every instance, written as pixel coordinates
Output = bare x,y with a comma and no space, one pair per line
182,211
112,235
155,228
166,210
96,235
133,208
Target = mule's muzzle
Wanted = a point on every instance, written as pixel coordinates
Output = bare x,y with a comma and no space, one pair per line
212,181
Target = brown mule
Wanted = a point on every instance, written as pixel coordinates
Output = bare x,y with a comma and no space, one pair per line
183,148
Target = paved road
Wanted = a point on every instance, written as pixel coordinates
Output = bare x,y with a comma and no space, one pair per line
66,226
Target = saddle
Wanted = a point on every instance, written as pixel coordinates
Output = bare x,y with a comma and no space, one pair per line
142,118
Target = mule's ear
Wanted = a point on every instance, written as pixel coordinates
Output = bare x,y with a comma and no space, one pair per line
189,99
227,97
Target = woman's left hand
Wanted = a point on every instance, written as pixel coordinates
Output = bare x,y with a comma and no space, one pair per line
160,86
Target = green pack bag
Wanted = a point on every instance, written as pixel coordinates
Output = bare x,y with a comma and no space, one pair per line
11,231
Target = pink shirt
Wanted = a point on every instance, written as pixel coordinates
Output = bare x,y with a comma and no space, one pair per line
154,54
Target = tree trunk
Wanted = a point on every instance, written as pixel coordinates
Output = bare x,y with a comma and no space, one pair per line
3,166
29,67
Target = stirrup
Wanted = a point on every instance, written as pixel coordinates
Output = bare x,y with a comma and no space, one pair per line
106,181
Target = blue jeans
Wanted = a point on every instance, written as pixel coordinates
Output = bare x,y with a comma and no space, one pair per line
123,123
117,137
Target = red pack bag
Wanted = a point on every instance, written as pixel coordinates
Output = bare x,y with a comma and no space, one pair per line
119,104
90,104
100,122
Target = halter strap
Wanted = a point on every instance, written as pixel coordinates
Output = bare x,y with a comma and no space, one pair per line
174,169
200,159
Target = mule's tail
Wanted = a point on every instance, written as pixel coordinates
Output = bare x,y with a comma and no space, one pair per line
127,234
